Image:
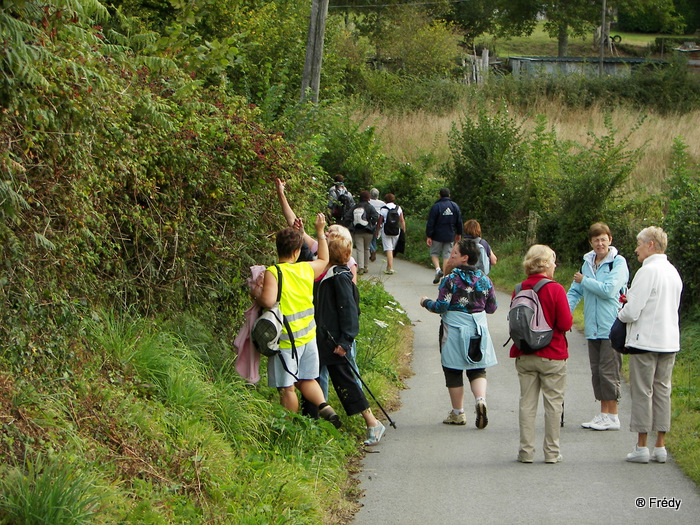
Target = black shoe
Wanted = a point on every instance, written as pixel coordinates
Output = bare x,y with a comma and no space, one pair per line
438,276
329,414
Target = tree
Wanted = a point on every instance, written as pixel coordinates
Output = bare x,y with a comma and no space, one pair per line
562,18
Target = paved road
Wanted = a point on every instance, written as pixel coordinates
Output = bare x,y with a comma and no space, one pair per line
428,473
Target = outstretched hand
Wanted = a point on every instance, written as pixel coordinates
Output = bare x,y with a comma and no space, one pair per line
298,225
320,222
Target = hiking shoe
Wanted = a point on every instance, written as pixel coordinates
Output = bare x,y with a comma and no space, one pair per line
595,420
481,418
329,414
373,255
638,455
659,454
374,434
438,276
455,419
551,461
605,423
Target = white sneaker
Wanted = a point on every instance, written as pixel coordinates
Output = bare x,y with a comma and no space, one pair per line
374,434
659,454
639,455
605,423
596,420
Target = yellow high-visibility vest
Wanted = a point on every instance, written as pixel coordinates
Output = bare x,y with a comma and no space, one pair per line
297,302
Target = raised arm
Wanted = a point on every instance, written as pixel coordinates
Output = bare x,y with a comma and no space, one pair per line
319,265
287,211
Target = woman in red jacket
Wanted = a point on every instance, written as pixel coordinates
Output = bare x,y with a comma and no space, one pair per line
545,369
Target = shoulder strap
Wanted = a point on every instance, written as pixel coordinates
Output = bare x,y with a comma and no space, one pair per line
540,284
279,283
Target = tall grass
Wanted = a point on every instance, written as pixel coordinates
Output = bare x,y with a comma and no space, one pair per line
411,137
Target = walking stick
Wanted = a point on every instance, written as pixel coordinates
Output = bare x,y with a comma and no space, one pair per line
362,381
370,392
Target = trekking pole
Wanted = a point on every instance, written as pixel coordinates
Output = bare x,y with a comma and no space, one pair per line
370,392
362,381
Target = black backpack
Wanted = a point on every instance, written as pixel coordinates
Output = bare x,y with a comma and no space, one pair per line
392,221
341,206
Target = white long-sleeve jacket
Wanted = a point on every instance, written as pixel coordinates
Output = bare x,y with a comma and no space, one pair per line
652,306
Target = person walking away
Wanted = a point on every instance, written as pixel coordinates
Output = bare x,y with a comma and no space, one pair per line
487,258
298,363
340,200
603,277
465,296
378,204
443,228
545,369
337,310
364,223
653,339
391,221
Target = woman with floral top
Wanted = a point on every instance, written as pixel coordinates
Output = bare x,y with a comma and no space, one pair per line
465,296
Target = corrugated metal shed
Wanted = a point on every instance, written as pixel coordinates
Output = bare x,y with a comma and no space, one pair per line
588,66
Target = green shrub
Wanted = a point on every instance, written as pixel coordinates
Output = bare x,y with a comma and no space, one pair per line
588,190
353,151
484,158
682,220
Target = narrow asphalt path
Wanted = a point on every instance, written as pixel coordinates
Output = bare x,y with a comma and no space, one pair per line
425,472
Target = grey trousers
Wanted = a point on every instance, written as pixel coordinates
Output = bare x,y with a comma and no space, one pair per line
650,389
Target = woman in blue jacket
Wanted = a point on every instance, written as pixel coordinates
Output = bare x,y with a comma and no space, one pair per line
602,278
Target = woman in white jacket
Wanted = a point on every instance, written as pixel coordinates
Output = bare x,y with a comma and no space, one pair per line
653,337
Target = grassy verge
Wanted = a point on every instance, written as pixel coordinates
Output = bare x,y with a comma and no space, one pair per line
684,439
150,424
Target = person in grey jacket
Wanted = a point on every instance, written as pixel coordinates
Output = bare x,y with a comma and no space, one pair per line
600,282
653,338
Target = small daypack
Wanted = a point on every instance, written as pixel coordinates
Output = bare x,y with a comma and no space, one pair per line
359,216
267,330
527,326
341,206
393,221
484,263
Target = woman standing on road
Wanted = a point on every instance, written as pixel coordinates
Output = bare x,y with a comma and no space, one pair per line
545,369
602,278
465,296
653,338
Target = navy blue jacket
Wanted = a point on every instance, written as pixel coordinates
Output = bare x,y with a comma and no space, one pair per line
444,221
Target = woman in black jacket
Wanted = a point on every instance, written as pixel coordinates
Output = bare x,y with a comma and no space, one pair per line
337,311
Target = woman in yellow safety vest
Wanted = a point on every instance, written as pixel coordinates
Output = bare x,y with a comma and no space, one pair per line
298,364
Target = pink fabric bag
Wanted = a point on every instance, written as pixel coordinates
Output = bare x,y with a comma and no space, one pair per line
248,361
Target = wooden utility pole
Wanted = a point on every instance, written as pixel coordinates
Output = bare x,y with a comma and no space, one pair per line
314,50
602,41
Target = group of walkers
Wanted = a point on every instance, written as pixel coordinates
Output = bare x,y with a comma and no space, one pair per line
320,299
651,307
369,220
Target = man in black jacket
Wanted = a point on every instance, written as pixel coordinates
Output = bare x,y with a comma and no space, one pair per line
444,228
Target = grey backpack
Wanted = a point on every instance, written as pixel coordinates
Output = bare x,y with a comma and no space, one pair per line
527,326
